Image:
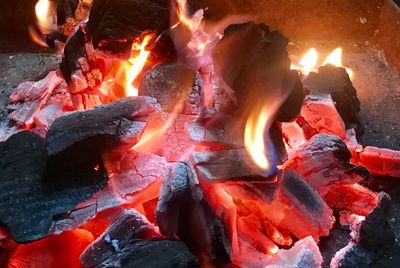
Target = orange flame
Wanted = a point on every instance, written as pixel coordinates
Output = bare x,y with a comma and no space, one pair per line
335,58
46,21
191,22
135,65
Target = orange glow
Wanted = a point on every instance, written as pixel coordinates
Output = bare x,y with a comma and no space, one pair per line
135,65
308,63
254,136
335,58
194,22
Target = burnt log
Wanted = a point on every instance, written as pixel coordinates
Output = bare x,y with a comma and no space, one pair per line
176,87
324,162
183,211
336,82
27,205
132,241
114,24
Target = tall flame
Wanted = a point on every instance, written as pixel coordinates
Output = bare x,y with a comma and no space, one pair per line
46,21
135,65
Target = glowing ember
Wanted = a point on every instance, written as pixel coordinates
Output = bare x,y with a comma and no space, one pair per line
135,65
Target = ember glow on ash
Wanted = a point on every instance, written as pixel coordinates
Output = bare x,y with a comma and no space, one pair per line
135,64
309,61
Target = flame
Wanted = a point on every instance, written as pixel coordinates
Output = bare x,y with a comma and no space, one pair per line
335,58
45,15
193,23
254,137
135,65
308,63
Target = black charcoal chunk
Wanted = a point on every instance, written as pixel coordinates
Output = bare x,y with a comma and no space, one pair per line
74,50
357,256
336,82
27,205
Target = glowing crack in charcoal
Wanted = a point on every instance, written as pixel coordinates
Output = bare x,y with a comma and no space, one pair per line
310,60
135,65
46,21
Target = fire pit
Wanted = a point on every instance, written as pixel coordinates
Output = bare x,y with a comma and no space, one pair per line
196,134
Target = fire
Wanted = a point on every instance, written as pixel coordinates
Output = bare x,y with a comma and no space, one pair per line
192,23
135,65
310,60
254,137
335,58
46,21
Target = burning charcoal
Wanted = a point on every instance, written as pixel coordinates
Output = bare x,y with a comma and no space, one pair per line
304,253
235,164
52,251
277,139
320,114
112,120
182,209
324,162
113,30
65,9
353,256
352,197
74,50
305,211
336,82
27,206
379,161
176,87
132,241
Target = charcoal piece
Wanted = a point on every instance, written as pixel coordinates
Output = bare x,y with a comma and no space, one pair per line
183,211
277,139
235,164
176,87
110,121
113,29
356,256
336,82
151,254
376,235
125,230
163,49
300,191
65,9
132,241
292,105
27,206
324,162
253,61
74,50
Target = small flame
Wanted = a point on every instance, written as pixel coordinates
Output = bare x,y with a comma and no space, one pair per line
335,58
45,15
254,137
135,65
308,62
191,22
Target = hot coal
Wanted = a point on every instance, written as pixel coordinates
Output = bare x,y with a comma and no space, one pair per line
175,86
74,50
27,205
235,164
183,211
113,29
336,82
324,162
65,9
132,241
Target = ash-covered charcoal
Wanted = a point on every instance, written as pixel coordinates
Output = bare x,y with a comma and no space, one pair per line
112,120
113,29
321,116
324,162
176,87
305,211
27,206
234,164
182,208
336,82
132,241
